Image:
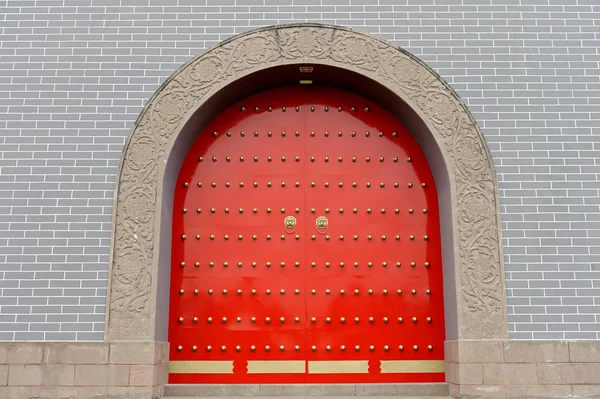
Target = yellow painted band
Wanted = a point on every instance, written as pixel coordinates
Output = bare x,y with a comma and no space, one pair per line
412,366
338,367
276,366
201,367
314,367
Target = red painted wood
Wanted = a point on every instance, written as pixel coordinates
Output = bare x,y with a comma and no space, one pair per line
326,142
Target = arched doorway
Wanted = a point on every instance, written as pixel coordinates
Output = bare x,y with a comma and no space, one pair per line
447,133
306,246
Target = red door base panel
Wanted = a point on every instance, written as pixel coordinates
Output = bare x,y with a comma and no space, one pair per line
306,247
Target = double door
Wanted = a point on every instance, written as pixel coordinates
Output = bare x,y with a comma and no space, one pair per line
306,247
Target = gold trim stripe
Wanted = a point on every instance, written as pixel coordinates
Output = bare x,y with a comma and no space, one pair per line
412,366
338,367
299,366
201,367
276,366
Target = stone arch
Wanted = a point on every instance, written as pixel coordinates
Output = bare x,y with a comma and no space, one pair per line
452,141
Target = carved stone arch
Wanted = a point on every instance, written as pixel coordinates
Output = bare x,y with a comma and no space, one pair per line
140,254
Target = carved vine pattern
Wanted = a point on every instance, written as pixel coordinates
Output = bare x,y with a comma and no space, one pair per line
481,284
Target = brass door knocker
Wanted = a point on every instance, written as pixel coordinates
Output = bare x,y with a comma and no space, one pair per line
289,223
322,223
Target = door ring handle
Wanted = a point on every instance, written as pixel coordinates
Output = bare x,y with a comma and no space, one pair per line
289,224
322,224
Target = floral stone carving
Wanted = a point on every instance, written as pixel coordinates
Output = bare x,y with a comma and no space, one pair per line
479,271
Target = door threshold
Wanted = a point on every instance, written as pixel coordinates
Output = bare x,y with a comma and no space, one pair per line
435,389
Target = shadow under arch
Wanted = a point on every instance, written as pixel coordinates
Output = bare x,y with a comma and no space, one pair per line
475,304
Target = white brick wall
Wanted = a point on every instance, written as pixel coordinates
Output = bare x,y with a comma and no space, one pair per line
74,74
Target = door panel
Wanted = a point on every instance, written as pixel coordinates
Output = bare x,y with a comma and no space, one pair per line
252,249
365,256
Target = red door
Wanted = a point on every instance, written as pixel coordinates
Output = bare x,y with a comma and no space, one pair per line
306,247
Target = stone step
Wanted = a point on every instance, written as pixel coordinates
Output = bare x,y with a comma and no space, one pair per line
364,391
314,397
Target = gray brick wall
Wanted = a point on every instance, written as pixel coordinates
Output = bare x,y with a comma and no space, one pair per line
75,73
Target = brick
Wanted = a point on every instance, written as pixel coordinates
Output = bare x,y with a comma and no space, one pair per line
71,98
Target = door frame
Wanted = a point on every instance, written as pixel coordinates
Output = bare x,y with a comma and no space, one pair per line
338,113
138,278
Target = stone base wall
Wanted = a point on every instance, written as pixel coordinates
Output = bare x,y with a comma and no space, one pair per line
523,369
139,370
82,370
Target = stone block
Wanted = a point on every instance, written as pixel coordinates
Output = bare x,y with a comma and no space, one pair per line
470,373
536,351
131,393
74,392
206,390
480,351
586,391
452,373
20,392
24,353
133,353
76,353
451,351
101,375
510,374
4,353
163,374
389,390
58,374
3,374
478,391
537,391
309,390
25,374
158,391
161,353
454,390
568,373
143,375
584,351
464,373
